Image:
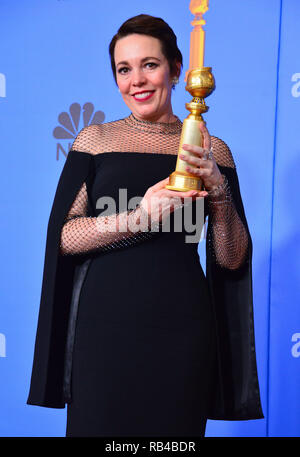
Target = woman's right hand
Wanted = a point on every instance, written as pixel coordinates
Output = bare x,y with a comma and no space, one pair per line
159,202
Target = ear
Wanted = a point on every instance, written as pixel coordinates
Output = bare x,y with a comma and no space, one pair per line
175,74
177,69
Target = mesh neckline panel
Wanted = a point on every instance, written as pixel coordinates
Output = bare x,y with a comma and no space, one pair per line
130,135
133,135
171,128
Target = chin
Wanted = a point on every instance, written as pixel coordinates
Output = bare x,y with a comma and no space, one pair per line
145,113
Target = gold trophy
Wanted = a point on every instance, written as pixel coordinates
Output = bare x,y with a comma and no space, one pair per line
199,83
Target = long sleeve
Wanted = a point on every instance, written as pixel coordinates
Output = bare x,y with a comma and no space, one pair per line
227,236
82,233
229,277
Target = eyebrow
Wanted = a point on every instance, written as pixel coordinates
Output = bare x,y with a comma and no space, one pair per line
124,62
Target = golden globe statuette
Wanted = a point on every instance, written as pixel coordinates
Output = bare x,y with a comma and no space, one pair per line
200,84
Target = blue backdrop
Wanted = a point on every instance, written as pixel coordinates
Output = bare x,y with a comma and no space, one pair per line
54,62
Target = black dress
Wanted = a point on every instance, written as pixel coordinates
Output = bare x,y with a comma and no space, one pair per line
144,342
132,335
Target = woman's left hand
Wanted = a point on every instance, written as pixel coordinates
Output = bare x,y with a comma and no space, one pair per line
198,163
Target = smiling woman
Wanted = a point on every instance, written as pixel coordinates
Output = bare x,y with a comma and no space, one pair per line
132,335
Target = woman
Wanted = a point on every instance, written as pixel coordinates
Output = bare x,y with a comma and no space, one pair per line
131,334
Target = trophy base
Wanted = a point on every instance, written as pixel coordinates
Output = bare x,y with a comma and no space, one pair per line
184,183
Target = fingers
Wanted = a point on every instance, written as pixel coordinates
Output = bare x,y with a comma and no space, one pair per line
160,186
167,193
160,190
176,193
206,135
197,150
192,160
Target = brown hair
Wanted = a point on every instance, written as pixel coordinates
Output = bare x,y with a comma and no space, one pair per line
151,26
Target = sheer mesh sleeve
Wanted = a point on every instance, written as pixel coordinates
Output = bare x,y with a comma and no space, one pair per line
82,234
227,236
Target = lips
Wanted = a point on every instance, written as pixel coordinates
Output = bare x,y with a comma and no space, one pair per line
143,96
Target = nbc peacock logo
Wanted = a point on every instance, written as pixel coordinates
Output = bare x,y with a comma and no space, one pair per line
71,123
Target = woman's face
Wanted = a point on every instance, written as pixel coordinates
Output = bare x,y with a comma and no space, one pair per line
143,77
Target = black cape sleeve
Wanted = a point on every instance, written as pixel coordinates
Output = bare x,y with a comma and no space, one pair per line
46,388
237,394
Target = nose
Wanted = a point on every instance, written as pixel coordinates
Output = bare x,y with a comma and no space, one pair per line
138,78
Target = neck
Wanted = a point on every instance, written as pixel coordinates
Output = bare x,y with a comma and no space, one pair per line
172,127
166,118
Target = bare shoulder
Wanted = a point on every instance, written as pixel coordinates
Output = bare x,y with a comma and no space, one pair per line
88,139
222,153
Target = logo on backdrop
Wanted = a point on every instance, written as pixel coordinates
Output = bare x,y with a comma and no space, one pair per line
296,87
2,85
2,345
296,347
70,124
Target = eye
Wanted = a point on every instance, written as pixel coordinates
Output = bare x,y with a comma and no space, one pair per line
123,70
151,65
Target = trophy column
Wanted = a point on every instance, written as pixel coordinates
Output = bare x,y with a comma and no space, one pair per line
199,83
